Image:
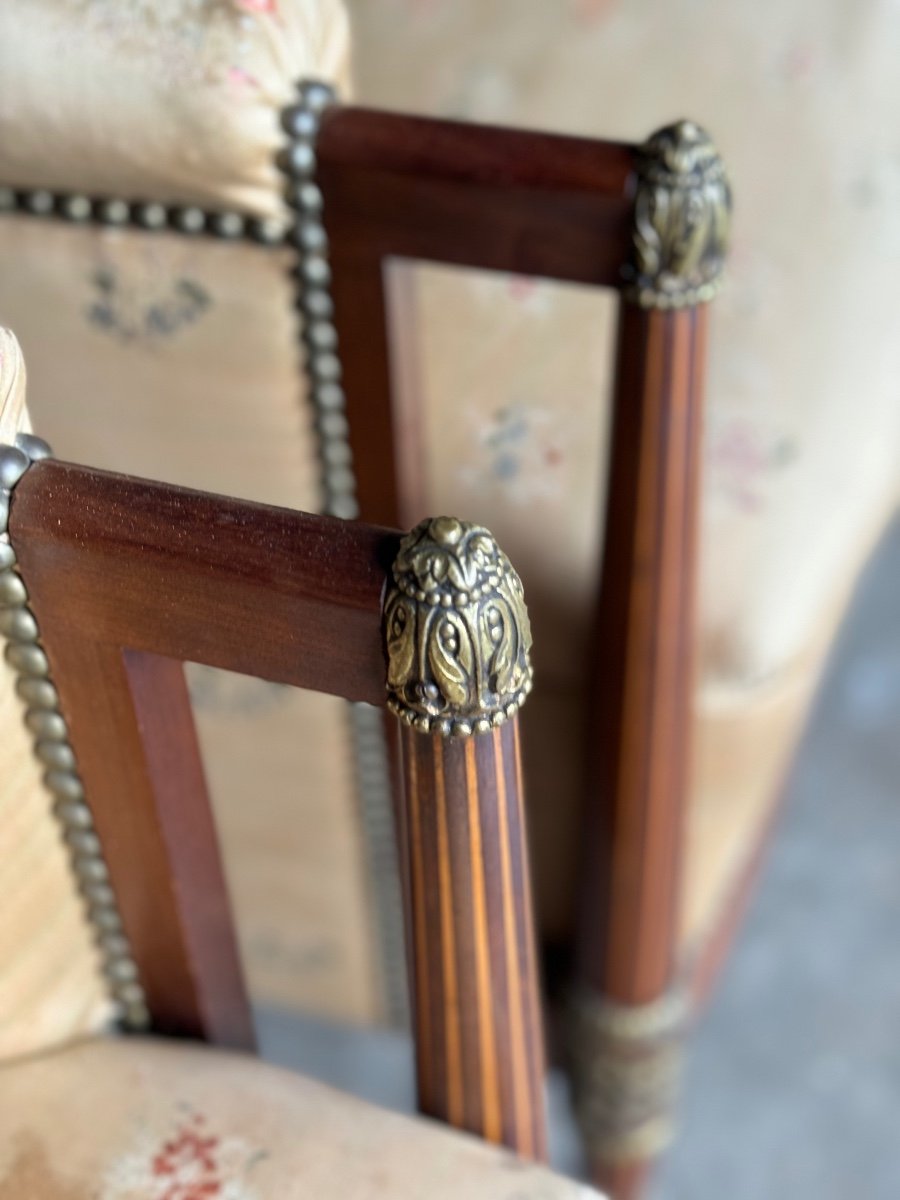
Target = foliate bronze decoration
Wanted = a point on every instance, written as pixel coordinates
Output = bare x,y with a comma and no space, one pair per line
457,631
625,1063
682,215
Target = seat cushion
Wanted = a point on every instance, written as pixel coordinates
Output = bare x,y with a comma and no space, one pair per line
138,1119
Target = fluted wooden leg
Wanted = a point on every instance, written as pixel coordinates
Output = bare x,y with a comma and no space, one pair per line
480,1060
627,1017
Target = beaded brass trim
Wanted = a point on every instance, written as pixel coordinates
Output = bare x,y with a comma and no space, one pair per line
322,362
625,1063
52,747
457,631
682,214
147,215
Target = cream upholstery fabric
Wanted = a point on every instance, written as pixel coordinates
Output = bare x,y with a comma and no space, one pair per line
140,1120
803,436
49,982
172,100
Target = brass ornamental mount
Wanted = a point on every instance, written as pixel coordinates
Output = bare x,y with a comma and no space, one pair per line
625,1062
456,630
682,214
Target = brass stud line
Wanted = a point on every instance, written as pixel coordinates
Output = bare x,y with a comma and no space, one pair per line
148,215
322,366
53,749
314,300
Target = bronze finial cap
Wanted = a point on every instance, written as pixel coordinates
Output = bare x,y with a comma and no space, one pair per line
682,214
457,631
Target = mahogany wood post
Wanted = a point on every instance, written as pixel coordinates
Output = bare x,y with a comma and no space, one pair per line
458,644
133,733
627,1018
476,1000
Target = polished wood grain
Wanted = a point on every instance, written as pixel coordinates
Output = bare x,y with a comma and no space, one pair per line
476,999
644,657
643,670
266,591
504,199
131,725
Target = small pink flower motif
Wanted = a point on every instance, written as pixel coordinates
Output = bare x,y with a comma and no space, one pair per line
532,295
192,1163
590,11
258,6
745,460
520,450
800,61
522,287
241,81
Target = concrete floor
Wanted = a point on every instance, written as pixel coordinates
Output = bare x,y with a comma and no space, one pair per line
793,1081
793,1085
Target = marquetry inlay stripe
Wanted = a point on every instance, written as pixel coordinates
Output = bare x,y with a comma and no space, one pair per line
450,998
480,1054
487,1041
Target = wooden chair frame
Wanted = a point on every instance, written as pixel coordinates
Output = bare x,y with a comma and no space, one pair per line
128,579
